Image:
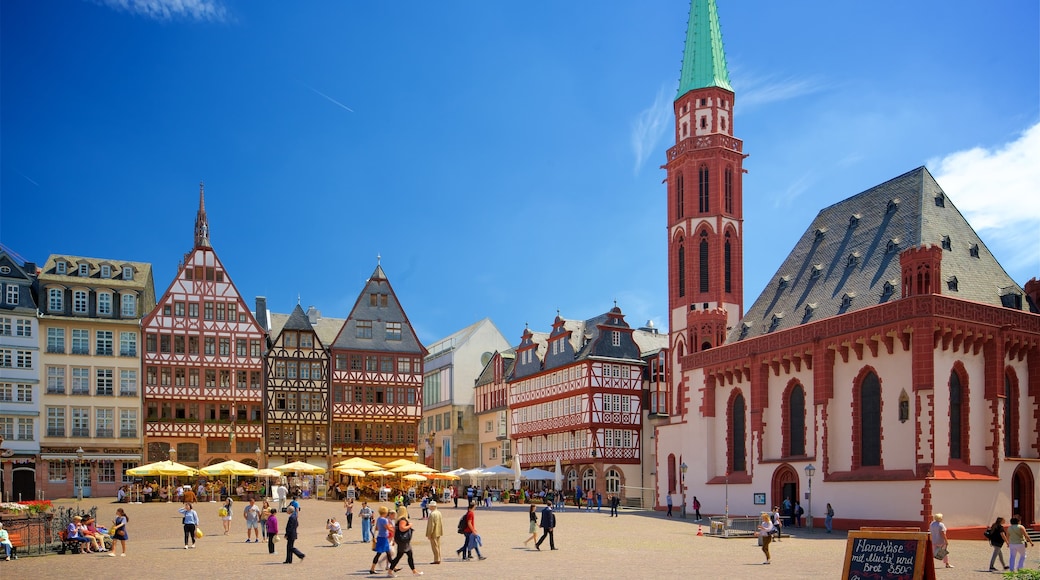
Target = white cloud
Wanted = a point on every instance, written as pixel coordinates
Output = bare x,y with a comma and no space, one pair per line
650,125
756,91
997,191
172,9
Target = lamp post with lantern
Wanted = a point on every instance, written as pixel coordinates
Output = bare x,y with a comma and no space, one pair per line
79,474
810,471
169,491
682,469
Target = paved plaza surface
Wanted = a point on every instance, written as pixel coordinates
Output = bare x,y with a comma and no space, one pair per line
638,544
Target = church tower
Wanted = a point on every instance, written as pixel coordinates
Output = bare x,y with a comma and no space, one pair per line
705,201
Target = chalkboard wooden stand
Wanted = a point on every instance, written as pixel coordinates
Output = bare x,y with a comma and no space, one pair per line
889,554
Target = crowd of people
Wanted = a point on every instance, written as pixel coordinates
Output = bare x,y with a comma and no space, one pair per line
200,491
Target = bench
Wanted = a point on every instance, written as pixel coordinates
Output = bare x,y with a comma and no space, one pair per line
67,545
17,541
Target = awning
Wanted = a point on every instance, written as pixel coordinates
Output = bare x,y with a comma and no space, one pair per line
90,457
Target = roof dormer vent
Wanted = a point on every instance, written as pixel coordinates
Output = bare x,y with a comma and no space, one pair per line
854,220
893,205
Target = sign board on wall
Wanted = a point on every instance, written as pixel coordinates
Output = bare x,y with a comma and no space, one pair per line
888,554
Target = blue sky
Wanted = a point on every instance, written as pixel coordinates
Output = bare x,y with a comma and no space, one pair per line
501,157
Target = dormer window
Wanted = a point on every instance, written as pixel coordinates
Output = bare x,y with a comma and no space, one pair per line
784,281
853,260
775,321
106,271
815,272
809,308
615,338
820,232
893,205
893,246
946,243
128,273
973,251
846,300
951,283
84,270
888,289
744,328
59,268
940,200
854,220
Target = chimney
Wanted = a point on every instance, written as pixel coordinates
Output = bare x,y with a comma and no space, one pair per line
261,313
313,314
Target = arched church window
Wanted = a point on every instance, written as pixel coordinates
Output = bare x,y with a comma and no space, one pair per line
702,190
738,434
727,263
956,415
703,266
870,421
679,194
796,421
681,266
1010,415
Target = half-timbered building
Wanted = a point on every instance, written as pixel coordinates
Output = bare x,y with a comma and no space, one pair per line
576,394
19,378
377,372
491,406
90,355
296,393
203,364
891,357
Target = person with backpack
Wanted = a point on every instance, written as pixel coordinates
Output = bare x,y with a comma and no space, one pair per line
468,527
997,538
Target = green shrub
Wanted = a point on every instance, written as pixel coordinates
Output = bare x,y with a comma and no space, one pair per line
1023,574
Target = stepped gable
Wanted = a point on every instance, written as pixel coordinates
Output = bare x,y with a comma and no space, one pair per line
848,258
347,338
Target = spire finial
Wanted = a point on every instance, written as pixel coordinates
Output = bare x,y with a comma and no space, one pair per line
297,298
201,221
378,259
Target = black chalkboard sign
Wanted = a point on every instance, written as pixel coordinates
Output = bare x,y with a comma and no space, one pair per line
888,555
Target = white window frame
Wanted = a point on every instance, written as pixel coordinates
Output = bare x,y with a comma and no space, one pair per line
56,379
104,419
25,429
80,380
103,342
6,326
104,384
128,305
11,296
80,338
84,270
55,300
128,344
23,359
59,267
80,302
106,271
104,303
56,422
128,423
128,382
23,327
56,471
128,273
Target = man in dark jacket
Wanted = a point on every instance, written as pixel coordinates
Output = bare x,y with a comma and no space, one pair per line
548,524
290,536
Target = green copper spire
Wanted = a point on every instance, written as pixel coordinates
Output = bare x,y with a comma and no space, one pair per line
704,61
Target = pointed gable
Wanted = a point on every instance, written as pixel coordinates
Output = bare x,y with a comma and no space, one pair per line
378,321
848,258
704,60
610,337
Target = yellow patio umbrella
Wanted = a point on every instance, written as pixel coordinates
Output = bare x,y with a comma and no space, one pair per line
414,477
350,471
413,468
358,462
397,463
162,468
268,473
300,467
230,467
445,476
382,473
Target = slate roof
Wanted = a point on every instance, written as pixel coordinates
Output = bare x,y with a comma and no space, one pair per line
21,276
379,315
487,374
326,329
850,253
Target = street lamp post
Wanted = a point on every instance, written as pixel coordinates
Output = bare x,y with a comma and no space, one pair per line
79,474
810,471
682,468
726,523
173,458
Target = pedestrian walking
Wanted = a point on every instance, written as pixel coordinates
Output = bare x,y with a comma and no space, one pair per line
778,523
997,538
697,507
425,505
599,502
828,522
403,531
366,522
615,501
119,532
532,525
251,514
798,512
190,519
470,531
765,529
434,531
265,509
548,526
455,495
1017,540
669,503
383,533
940,543
225,514
271,527
291,533
349,505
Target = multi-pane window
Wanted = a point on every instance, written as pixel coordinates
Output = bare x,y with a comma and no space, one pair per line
56,471
240,347
84,270
7,427
393,331
615,338
55,300
23,359
127,465
80,381
103,419
23,327
106,271
79,301
55,421
80,422
207,311
12,294
210,345
56,340
306,340
225,346
104,303
404,366
6,327
221,307
6,358
15,393
289,339
128,272
56,380
254,348
103,342
193,310
80,341
106,471
127,344
128,382
364,329
128,423
129,305
104,384
386,364
25,429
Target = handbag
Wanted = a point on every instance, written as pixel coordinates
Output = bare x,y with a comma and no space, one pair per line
277,538
223,512
941,552
198,533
